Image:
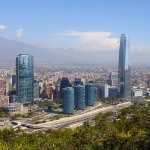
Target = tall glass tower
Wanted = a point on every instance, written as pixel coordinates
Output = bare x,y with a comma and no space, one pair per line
25,78
124,68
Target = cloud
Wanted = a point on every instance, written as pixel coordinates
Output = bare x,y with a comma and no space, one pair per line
2,27
140,48
19,32
94,41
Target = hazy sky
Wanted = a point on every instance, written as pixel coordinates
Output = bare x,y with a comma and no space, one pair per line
88,25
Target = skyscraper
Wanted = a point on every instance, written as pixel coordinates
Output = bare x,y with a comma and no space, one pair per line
89,94
64,83
36,91
25,78
68,100
124,69
79,94
113,79
13,80
103,90
78,82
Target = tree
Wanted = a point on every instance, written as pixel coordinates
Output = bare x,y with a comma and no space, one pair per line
58,101
3,114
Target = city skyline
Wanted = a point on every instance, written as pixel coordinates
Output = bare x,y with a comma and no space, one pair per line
74,74
67,24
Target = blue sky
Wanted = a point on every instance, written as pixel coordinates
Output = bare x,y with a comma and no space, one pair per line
88,25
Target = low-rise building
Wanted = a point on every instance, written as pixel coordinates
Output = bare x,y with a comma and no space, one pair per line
16,108
113,91
3,121
136,93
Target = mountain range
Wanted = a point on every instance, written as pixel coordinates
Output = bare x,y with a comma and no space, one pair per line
10,48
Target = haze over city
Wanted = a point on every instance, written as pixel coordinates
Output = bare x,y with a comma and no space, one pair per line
77,31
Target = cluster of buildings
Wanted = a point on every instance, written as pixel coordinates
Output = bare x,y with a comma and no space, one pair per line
16,90
78,89
120,83
78,96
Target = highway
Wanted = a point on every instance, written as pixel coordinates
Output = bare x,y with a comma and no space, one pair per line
64,122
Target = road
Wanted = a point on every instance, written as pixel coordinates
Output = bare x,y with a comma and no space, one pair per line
63,122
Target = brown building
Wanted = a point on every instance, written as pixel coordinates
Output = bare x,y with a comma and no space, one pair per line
16,108
2,93
148,76
49,91
4,100
3,85
135,83
148,83
58,94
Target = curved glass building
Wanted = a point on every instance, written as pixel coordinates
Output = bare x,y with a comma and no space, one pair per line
68,100
25,78
89,94
78,82
64,83
124,68
79,94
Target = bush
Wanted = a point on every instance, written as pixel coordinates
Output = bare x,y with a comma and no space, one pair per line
56,107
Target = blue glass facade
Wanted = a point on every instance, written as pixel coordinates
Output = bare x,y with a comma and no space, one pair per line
14,98
89,94
124,68
25,78
36,91
64,83
78,82
113,79
68,100
13,80
79,95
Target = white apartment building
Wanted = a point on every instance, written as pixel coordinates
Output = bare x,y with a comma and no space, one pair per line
136,93
103,90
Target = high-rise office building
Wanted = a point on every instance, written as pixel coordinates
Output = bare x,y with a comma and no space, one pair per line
89,94
68,100
78,81
124,68
25,78
113,79
13,80
36,91
79,95
103,90
64,83
3,83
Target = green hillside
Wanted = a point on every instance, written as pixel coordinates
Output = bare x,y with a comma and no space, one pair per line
127,133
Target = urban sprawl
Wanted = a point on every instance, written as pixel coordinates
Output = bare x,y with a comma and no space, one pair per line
39,97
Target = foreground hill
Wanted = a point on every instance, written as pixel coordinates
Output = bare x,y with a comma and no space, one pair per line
125,134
